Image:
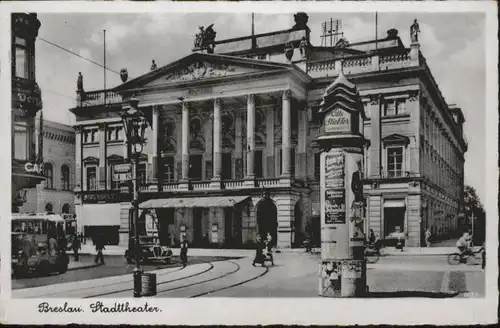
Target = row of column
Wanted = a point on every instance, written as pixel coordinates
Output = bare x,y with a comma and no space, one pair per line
217,138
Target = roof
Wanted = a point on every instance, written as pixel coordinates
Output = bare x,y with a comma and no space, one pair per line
50,217
239,61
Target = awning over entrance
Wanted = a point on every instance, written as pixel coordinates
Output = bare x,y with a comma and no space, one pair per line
226,201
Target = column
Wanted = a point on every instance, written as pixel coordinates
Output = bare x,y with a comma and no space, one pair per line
102,157
286,135
154,142
238,145
185,141
270,163
302,148
250,137
217,141
78,158
375,160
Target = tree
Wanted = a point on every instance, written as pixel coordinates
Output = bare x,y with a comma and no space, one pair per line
475,210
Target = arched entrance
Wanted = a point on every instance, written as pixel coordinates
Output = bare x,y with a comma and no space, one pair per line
267,219
48,207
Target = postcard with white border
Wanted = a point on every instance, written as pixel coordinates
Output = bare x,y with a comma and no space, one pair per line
249,163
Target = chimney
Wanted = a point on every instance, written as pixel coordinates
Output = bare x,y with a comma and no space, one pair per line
392,33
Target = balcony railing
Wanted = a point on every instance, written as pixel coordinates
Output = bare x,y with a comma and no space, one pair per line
267,182
233,184
98,97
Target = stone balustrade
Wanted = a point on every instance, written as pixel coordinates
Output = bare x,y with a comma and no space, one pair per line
98,97
359,64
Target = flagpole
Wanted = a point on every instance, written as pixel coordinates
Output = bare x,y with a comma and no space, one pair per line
376,31
105,93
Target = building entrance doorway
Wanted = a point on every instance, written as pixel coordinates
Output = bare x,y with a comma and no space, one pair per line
197,227
297,227
232,228
394,218
165,220
267,220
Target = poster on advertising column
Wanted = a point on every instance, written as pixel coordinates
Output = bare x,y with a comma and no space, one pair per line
334,170
335,206
355,199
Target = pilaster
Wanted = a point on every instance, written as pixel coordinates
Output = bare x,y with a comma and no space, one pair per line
250,176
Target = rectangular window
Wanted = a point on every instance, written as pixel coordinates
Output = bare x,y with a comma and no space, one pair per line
292,162
168,169
395,162
90,136
390,108
20,141
317,166
21,62
227,166
91,178
258,164
195,167
113,133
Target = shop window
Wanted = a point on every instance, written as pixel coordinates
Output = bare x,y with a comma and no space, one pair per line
49,175
91,178
395,161
65,177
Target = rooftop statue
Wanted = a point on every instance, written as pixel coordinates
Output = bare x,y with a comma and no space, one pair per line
153,65
205,38
414,30
303,47
79,82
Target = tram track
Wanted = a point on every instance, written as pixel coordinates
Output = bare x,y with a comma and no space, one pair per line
211,266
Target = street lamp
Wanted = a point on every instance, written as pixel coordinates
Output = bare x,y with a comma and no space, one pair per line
134,124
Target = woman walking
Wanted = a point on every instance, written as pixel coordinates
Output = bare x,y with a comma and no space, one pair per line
184,250
259,251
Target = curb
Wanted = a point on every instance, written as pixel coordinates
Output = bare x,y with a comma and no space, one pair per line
84,267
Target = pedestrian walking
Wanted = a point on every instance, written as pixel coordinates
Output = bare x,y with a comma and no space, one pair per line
184,250
84,238
259,251
269,249
428,237
99,247
483,256
75,245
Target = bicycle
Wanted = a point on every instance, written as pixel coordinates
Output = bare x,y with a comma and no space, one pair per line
372,253
469,257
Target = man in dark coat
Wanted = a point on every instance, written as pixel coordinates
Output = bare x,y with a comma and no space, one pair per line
184,250
99,247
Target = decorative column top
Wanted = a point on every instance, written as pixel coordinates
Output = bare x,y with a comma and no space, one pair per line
217,102
287,94
251,98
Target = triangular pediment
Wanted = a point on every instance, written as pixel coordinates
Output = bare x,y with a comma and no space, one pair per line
198,66
396,139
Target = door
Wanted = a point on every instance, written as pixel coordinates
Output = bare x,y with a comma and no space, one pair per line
227,166
197,227
228,227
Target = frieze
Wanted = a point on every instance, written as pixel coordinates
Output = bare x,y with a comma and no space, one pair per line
200,70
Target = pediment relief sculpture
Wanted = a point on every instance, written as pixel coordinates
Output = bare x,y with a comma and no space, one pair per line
201,70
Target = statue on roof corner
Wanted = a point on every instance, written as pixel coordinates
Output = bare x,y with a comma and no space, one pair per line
414,30
205,39
79,82
303,48
153,65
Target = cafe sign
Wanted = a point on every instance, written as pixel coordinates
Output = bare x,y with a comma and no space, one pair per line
33,168
337,120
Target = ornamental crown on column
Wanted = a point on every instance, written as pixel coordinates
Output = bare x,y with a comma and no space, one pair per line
287,94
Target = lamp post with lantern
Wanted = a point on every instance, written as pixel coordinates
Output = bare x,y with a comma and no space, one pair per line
134,124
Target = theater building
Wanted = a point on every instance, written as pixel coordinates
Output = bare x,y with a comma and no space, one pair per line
27,167
230,153
55,194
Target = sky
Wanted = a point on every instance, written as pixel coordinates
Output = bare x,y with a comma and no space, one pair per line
452,43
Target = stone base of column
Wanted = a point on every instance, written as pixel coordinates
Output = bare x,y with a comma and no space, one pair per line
249,181
342,278
215,183
284,239
123,235
184,185
286,180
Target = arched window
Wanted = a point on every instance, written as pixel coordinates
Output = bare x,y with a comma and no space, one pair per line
49,207
65,208
48,172
65,177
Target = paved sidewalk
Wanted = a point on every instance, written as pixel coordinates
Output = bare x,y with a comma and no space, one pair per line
119,250
81,264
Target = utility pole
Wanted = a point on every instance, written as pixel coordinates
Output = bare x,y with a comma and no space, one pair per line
105,92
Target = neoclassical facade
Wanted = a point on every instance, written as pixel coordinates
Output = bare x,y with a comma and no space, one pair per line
230,150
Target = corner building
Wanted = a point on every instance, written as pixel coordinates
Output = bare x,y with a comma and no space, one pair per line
230,153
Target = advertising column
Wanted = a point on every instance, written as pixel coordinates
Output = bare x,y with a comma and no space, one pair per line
342,270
